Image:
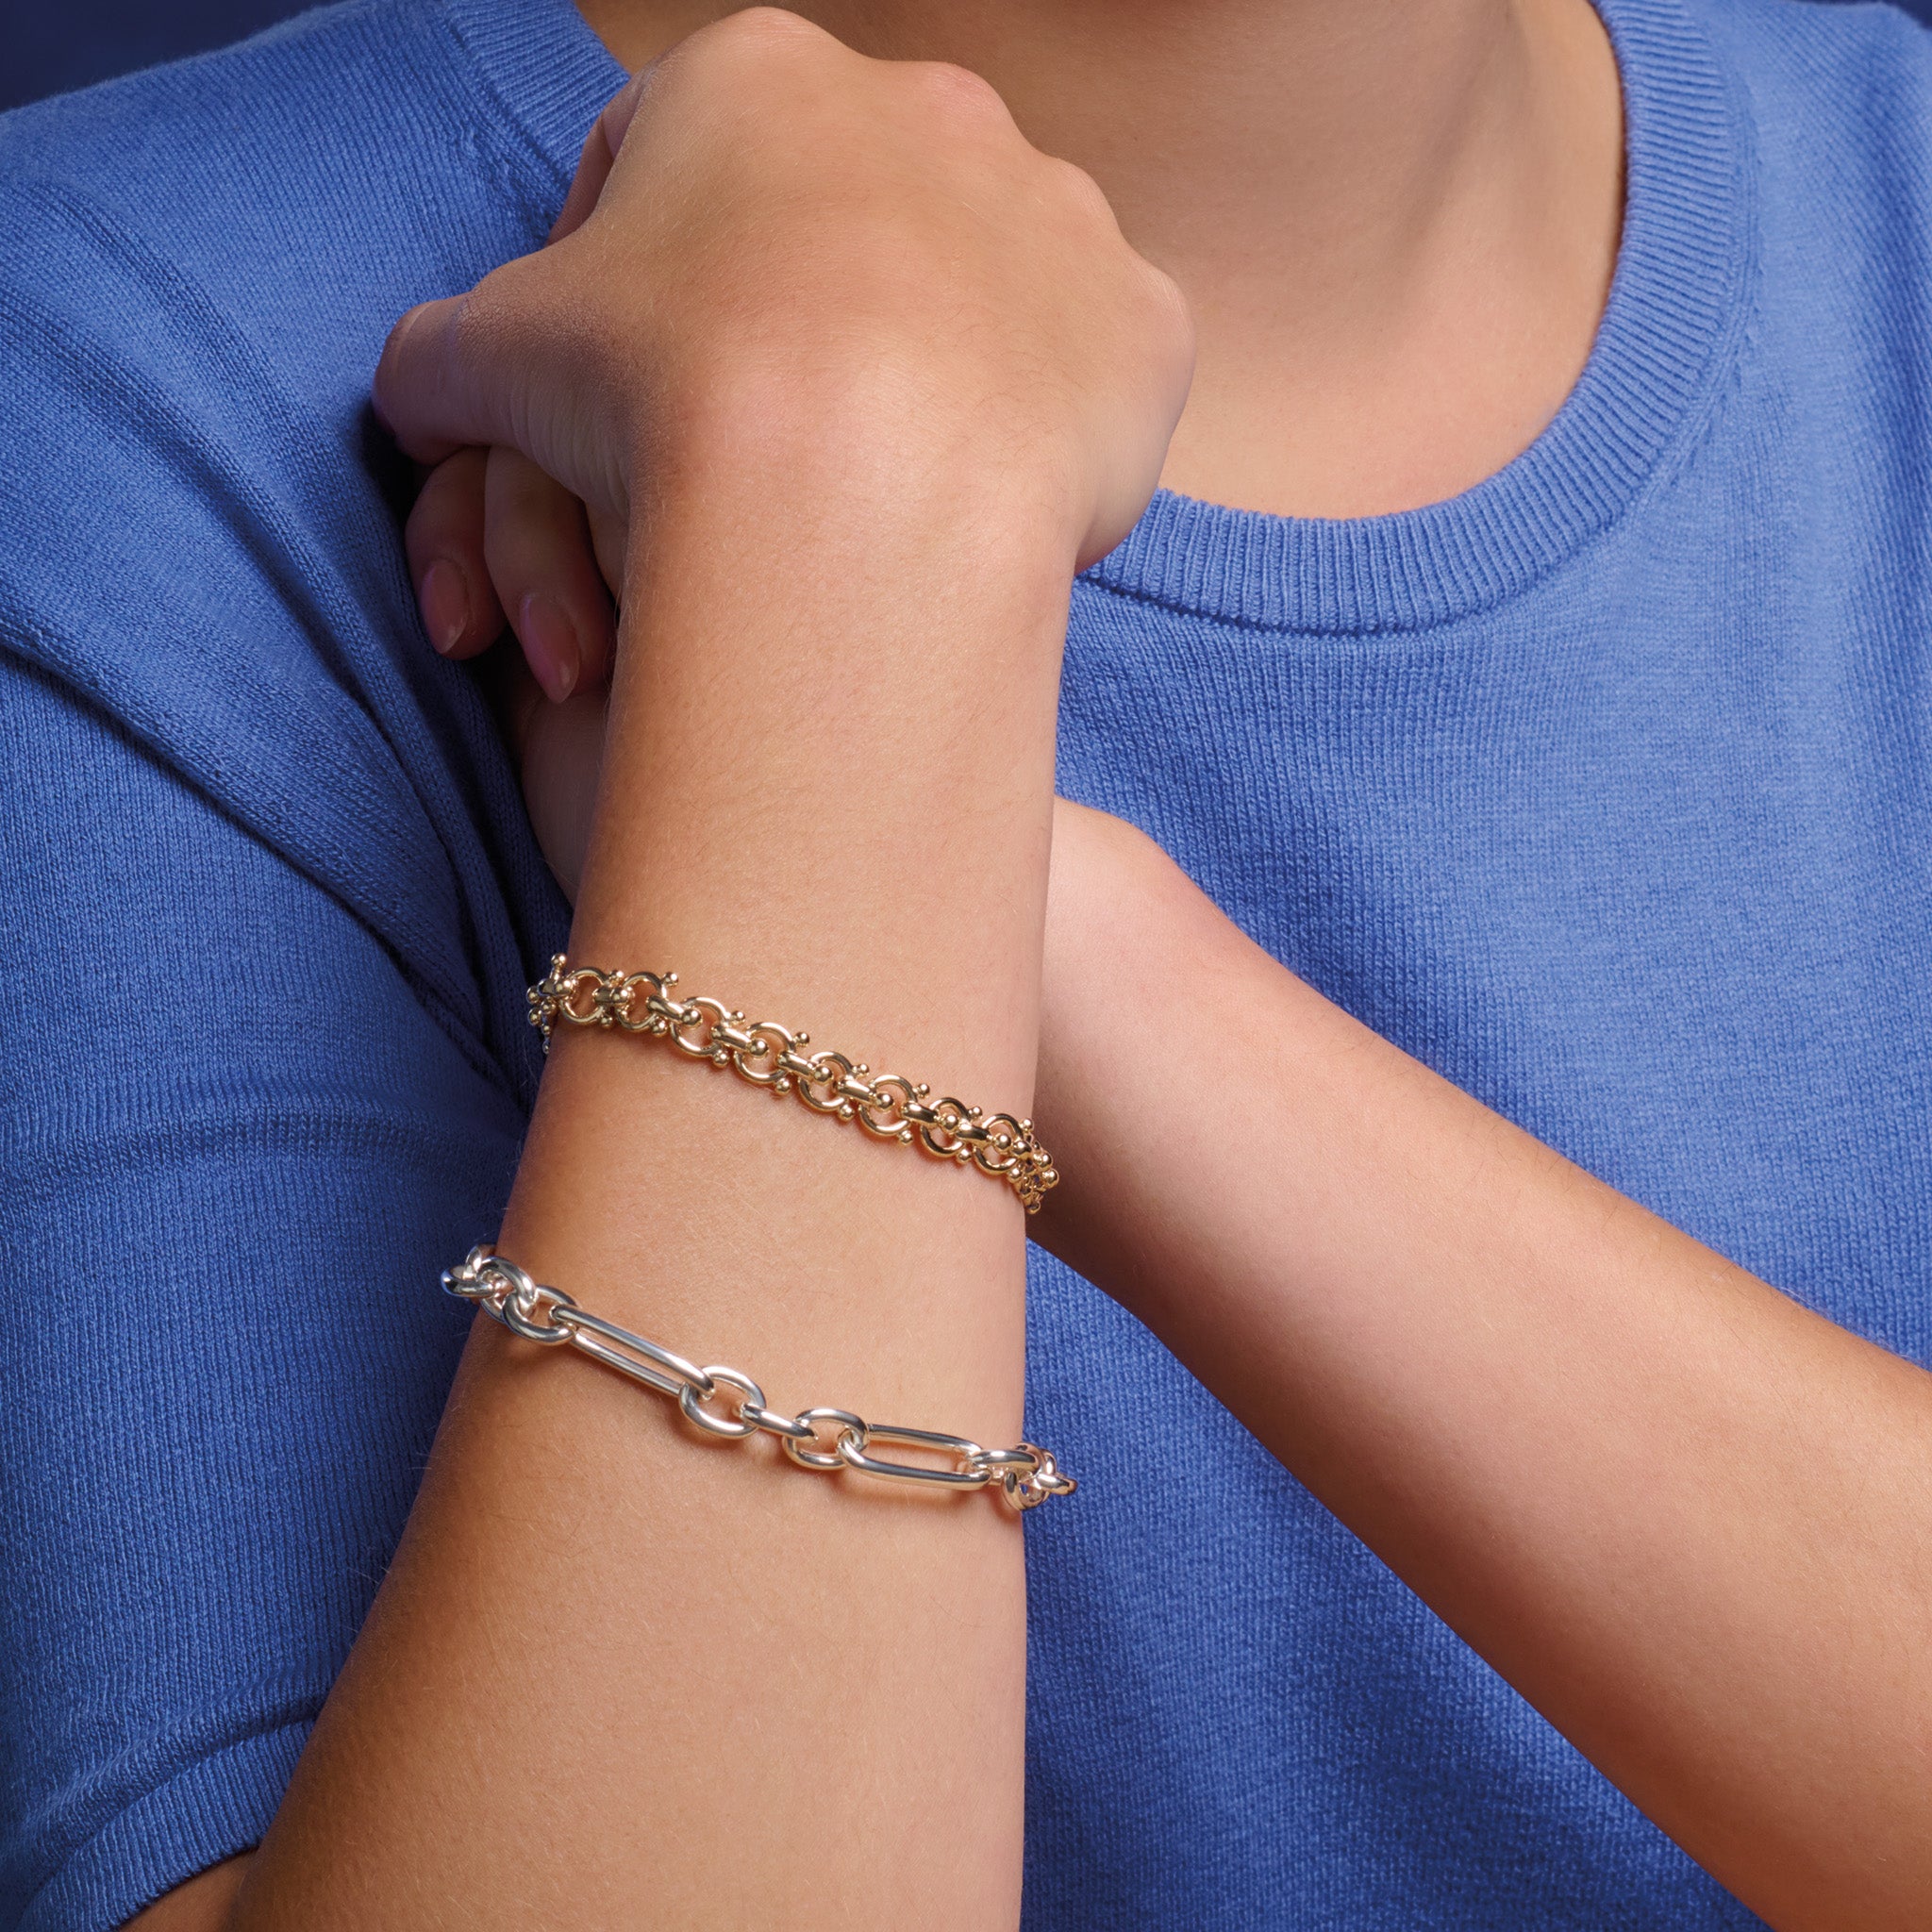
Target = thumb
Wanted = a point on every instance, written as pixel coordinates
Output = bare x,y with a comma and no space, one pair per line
422,393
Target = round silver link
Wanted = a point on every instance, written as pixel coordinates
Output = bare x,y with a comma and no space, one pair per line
517,1313
733,1428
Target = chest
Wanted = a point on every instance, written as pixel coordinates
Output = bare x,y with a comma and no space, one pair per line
1649,875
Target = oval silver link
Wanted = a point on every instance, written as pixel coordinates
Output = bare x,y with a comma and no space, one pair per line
1026,1474
786,1428
849,1424
517,1309
733,1428
852,1454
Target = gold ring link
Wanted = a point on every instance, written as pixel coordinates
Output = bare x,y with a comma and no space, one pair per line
698,1018
886,1106
829,1072
634,1001
884,1116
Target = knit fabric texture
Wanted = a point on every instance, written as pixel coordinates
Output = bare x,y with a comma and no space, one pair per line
1603,789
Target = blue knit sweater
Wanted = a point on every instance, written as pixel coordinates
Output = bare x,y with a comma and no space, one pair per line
1603,789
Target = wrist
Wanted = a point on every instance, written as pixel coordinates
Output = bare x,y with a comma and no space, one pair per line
828,785
894,443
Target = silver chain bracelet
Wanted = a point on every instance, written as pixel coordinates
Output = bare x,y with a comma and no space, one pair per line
820,1439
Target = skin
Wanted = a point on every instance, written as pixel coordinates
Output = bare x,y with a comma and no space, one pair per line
1683,1516
935,370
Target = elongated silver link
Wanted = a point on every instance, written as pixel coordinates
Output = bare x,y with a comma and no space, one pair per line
827,1439
768,1055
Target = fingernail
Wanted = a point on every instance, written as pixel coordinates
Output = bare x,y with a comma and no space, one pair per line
550,642
445,599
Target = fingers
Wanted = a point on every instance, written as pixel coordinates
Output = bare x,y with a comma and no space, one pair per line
490,534
444,544
537,546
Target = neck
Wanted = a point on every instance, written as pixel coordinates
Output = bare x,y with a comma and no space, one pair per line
1395,220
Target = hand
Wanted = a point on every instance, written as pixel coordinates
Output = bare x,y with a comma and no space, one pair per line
769,230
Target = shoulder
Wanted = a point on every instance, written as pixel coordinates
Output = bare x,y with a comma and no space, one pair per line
197,524
1838,95
1835,103
250,221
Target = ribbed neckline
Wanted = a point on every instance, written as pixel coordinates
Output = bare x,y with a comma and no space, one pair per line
1658,352
1673,299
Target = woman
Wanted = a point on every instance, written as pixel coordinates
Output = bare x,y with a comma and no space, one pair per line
1554,769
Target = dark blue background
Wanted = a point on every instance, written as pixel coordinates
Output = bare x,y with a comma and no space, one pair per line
49,45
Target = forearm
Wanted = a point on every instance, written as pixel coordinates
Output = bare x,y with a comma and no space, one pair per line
1688,1520
620,1673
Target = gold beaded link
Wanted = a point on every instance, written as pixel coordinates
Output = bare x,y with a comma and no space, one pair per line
884,1105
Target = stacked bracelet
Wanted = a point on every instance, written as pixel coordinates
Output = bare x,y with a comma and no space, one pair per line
820,1439
768,1055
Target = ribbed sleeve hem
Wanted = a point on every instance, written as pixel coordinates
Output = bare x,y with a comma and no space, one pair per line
213,1809
549,72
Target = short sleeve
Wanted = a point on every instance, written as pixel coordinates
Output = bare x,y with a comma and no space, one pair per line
235,1152
268,901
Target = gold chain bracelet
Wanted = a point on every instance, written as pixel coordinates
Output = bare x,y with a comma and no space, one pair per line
767,1055
820,1438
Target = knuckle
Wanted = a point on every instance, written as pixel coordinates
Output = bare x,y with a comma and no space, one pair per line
1081,192
495,314
758,35
1169,310
955,93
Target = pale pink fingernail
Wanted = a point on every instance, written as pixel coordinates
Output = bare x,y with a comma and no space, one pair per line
550,642
446,600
